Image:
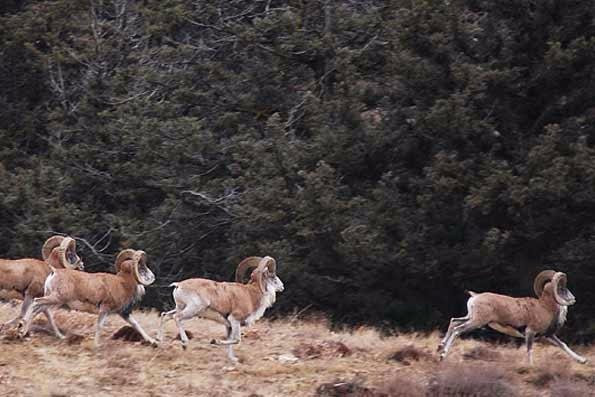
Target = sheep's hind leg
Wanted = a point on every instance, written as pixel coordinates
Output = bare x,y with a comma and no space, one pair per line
451,325
38,305
24,306
457,331
557,342
164,317
50,317
189,311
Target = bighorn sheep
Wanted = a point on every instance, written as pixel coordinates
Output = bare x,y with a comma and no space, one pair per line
230,303
27,276
111,293
543,316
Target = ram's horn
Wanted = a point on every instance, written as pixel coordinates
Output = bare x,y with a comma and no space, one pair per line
562,295
142,273
68,256
123,256
49,245
541,280
248,264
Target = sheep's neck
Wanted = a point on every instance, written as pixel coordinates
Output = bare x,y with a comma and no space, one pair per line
265,300
132,290
548,300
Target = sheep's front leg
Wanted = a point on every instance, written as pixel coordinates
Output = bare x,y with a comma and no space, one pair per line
50,317
164,317
529,337
233,337
100,321
130,320
557,342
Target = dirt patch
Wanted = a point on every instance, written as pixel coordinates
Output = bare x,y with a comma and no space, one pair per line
324,349
127,334
482,353
346,389
410,353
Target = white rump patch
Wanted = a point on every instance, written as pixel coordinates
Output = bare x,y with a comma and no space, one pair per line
186,298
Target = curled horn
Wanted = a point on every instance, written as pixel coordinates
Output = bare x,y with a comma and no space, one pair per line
541,280
562,295
269,263
71,261
123,256
266,263
49,245
142,273
245,265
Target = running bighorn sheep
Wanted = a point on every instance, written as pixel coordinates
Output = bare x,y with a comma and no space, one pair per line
230,303
543,316
111,293
27,276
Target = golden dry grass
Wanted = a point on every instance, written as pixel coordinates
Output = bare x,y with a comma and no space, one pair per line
278,358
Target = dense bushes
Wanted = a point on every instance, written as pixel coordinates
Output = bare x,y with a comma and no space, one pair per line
389,154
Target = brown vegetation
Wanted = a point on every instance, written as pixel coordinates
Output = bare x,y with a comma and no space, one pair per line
357,363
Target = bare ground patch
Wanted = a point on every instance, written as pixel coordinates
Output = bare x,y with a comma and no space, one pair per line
278,358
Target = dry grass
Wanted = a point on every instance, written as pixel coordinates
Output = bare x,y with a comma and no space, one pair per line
281,358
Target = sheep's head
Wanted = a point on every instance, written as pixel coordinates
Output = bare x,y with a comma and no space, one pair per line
135,262
264,273
63,251
556,282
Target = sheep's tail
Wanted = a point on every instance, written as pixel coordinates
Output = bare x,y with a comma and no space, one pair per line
471,293
175,285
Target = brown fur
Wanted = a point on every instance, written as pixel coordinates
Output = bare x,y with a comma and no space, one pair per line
519,317
111,292
26,276
237,299
537,314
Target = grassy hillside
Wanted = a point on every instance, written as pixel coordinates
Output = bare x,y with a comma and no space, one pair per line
289,357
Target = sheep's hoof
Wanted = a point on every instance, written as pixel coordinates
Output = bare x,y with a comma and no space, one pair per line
184,346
